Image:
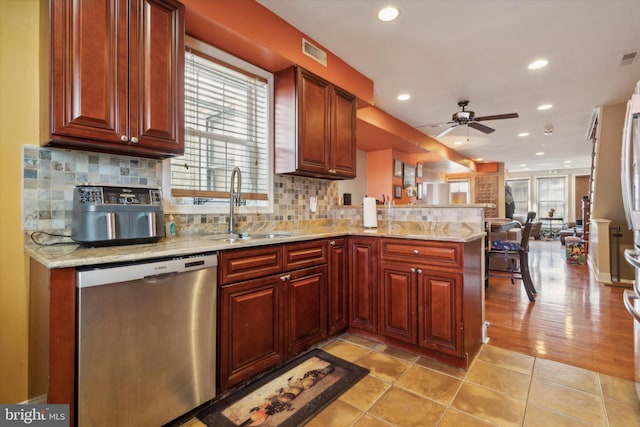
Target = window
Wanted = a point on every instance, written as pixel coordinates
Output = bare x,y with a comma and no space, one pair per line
520,193
552,193
459,192
228,116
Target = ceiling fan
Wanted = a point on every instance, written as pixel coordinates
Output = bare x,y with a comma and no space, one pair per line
468,118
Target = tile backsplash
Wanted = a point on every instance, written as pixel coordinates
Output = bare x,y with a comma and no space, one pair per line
49,176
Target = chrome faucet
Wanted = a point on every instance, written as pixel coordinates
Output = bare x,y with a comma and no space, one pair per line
234,195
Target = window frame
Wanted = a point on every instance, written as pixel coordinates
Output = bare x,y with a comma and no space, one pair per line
528,201
459,181
220,208
543,213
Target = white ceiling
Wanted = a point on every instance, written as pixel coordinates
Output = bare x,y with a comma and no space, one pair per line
443,51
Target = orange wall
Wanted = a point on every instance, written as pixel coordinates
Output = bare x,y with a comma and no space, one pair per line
252,32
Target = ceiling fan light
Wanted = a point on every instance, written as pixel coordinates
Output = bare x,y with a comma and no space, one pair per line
537,64
388,13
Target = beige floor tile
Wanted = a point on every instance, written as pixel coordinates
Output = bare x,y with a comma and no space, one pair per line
346,350
337,414
359,340
429,383
193,422
489,405
569,401
441,367
400,354
365,392
622,414
384,367
498,378
406,409
507,359
618,388
370,421
455,418
571,376
541,416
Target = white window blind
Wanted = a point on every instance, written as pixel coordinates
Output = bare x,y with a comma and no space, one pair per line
226,125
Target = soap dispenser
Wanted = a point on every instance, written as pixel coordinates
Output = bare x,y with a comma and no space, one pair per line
170,227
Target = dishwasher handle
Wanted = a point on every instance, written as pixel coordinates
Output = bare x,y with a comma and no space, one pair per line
104,275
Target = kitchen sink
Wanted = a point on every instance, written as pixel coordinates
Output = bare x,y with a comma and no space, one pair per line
236,237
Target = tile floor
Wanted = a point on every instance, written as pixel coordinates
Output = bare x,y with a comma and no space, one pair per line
501,388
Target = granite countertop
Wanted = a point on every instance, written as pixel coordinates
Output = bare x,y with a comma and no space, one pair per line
74,255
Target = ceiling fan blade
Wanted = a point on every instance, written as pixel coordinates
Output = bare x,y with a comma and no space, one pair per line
435,125
481,128
497,117
446,131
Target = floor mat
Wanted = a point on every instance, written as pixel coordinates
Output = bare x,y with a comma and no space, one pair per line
288,396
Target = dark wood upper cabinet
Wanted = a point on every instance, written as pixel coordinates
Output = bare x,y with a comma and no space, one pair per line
315,131
117,76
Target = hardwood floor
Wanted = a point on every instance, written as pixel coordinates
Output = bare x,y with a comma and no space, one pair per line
575,320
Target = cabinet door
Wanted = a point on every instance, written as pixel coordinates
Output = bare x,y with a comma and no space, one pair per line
439,311
398,302
156,74
337,286
305,308
363,283
343,143
250,329
314,97
89,69
117,76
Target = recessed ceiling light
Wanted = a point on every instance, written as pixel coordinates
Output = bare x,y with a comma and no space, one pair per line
545,107
479,159
523,165
458,143
403,97
537,64
567,161
387,14
523,134
540,153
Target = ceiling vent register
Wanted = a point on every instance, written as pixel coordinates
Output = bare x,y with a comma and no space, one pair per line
314,52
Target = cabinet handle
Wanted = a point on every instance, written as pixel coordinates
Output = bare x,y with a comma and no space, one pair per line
419,271
332,242
413,270
416,252
134,140
285,277
124,138
331,171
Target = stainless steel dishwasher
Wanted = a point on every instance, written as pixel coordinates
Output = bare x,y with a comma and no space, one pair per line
146,340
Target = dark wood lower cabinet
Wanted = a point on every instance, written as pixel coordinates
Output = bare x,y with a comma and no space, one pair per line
266,320
305,307
439,311
363,283
338,287
250,327
429,296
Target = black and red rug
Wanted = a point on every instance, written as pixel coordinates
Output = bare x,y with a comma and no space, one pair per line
288,396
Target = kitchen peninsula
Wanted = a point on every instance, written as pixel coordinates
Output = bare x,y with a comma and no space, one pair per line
412,283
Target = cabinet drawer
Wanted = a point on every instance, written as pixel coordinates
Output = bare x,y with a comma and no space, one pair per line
305,254
244,264
446,254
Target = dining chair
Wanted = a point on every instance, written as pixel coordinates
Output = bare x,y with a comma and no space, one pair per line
517,256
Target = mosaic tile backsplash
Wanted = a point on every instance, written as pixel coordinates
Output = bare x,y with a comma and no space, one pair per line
49,176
